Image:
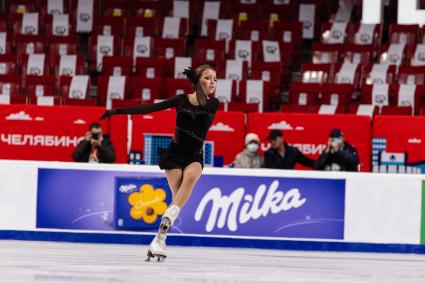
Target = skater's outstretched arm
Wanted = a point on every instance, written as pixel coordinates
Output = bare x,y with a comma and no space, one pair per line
145,108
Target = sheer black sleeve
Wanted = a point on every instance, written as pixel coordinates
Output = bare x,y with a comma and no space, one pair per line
149,108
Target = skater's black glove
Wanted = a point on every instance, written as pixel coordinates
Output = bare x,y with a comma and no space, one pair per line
191,75
109,113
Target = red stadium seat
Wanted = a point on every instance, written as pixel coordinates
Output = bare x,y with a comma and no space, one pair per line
44,8
40,86
20,6
64,88
62,45
396,110
16,20
292,108
8,64
327,36
79,68
79,102
102,89
92,57
117,65
243,107
34,70
418,97
240,11
212,28
10,85
117,8
366,96
44,100
408,34
389,77
355,37
243,95
148,9
147,90
356,80
316,73
326,53
183,28
151,67
279,13
4,22
356,53
177,86
411,75
8,44
267,71
48,28
253,30
210,51
169,48
29,44
304,93
287,32
108,25
337,94
141,26
244,54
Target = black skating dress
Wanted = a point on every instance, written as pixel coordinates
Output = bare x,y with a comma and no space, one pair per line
192,124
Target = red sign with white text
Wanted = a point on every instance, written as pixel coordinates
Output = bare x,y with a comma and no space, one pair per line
50,133
227,131
310,132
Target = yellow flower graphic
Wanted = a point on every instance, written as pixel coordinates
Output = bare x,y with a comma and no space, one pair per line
148,203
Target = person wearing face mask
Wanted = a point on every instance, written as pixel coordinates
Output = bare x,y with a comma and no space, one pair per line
250,157
283,156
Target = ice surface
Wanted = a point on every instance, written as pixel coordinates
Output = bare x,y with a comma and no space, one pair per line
25,261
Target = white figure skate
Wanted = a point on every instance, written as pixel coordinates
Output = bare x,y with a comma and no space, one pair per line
157,246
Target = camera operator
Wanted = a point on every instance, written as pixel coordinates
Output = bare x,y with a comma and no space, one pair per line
339,155
95,148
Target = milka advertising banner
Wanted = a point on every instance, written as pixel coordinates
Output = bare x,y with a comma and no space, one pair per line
220,204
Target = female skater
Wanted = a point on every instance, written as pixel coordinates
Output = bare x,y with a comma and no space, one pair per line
183,159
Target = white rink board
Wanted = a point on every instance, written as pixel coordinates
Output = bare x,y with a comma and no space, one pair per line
378,208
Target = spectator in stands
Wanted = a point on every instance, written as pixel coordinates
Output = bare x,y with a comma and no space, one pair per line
283,156
95,148
339,155
250,157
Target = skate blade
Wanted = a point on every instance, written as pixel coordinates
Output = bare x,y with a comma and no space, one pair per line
159,258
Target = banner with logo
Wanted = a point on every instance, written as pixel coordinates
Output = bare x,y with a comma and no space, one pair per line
397,135
50,133
227,131
220,204
310,132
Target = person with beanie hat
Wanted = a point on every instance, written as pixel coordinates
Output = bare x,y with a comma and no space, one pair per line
250,157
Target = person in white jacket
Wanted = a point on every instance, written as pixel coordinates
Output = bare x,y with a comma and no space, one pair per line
250,157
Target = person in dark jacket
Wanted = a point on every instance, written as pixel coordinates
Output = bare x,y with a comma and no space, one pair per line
95,148
283,156
339,155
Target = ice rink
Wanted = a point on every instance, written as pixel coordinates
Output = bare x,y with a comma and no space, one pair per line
24,261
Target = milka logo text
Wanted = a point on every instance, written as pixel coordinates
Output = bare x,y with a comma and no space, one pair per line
239,208
127,188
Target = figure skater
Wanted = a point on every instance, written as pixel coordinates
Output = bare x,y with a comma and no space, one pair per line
183,158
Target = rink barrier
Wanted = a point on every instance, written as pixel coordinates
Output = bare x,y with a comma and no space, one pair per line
181,240
338,211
